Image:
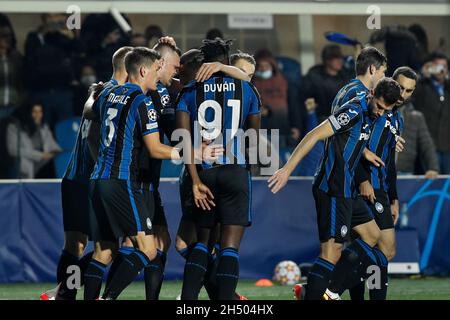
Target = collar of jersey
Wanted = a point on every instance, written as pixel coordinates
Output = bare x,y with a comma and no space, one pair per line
360,82
132,85
114,81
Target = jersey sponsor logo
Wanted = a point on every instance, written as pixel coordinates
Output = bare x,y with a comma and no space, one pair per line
219,87
344,231
364,136
379,207
392,128
152,115
343,119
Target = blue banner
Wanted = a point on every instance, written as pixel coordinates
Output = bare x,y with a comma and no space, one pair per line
284,227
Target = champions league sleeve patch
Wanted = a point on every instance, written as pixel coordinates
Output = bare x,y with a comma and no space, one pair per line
152,115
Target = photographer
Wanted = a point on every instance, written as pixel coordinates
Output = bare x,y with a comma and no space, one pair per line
432,98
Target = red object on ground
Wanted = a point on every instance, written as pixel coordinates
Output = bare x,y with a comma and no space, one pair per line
264,283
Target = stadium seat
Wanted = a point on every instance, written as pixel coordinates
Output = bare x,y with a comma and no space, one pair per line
291,70
66,133
170,170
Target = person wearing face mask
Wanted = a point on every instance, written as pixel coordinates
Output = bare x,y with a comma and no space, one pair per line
432,98
273,88
86,78
31,142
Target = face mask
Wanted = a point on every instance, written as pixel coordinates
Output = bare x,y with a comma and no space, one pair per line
264,74
88,80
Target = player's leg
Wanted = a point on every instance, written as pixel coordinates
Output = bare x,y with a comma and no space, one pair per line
333,219
154,272
104,252
210,282
125,249
359,255
130,218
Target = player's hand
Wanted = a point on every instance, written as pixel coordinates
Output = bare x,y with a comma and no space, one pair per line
395,211
207,70
431,174
373,158
400,145
211,152
167,39
203,197
366,191
278,180
96,88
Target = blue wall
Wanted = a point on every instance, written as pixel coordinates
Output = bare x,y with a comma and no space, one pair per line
284,227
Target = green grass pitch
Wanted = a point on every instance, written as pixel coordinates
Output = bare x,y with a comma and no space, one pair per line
399,289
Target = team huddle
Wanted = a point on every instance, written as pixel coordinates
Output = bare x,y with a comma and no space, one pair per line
110,192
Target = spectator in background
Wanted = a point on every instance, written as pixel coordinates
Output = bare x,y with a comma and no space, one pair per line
138,40
214,33
152,34
86,77
102,36
422,42
31,142
273,88
401,47
49,54
419,144
11,70
323,81
432,98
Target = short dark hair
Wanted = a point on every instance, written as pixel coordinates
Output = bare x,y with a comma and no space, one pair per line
192,59
161,46
214,33
435,55
138,57
406,72
235,57
388,89
331,51
369,56
118,58
216,50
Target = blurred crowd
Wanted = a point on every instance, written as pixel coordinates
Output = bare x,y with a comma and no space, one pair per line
49,82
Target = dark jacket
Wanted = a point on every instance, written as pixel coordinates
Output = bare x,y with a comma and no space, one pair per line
323,88
419,147
436,112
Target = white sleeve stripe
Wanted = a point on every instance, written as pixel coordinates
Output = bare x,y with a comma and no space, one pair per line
334,122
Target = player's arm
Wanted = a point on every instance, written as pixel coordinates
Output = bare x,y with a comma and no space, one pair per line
208,69
93,139
88,110
281,176
203,197
159,150
362,174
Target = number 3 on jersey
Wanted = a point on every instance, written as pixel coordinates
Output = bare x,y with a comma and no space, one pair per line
213,128
112,113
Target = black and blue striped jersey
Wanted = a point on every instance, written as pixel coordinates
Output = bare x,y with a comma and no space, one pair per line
348,92
81,162
219,108
126,115
150,168
385,132
342,151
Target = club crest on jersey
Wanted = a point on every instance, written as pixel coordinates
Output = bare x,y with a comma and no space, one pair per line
152,115
165,100
344,231
343,119
379,207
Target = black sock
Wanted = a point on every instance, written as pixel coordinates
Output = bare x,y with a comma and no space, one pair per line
354,259
83,264
381,292
66,260
227,273
318,279
194,272
210,282
123,251
93,279
186,251
357,292
154,276
126,272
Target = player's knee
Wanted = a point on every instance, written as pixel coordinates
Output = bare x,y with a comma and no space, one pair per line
180,244
371,237
331,253
389,252
104,257
150,253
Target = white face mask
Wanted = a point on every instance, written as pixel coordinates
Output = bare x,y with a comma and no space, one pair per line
264,74
88,80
